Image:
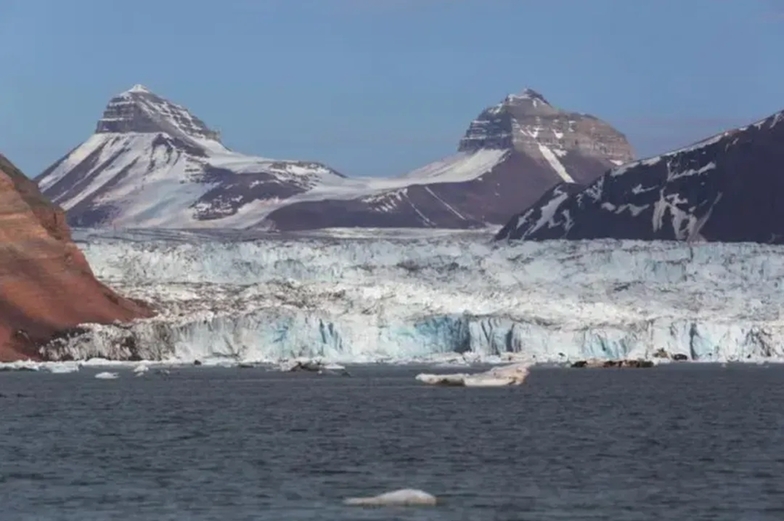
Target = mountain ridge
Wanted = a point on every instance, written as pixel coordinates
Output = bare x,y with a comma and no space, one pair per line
722,188
152,163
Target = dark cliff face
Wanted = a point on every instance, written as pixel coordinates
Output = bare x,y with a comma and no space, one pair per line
728,188
152,163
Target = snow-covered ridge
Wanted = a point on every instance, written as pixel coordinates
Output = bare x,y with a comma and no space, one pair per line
362,300
153,163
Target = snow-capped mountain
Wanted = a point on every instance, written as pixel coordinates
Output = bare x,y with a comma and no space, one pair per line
509,156
151,163
727,188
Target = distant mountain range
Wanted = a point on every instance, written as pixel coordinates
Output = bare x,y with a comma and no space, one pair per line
151,163
728,188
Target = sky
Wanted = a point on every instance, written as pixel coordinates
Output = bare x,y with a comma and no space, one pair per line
379,87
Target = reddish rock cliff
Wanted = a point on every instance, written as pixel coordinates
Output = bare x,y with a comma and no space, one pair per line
46,285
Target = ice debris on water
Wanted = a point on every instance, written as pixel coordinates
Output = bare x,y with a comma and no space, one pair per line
312,366
403,497
495,377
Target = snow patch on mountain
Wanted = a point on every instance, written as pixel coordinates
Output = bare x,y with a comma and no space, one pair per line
458,168
552,159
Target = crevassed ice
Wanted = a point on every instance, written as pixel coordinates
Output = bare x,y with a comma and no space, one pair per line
361,300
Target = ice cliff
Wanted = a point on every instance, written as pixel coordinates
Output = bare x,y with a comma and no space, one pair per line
361,300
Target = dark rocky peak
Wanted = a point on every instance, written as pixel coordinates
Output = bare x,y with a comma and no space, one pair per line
139,110
527,99
527,121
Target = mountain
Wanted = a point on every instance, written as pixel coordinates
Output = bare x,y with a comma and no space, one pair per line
151,163
511,153
46,285
727,188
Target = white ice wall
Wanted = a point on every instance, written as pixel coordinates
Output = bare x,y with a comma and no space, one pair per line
365,300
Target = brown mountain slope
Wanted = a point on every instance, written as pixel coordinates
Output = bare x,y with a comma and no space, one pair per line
46,285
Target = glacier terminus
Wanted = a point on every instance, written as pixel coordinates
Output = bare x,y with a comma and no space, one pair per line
374,297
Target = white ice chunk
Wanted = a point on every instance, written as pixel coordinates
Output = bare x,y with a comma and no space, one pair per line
496,377
404,497
62,368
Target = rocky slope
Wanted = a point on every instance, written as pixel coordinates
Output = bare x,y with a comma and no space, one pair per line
46,285
726,188
151,163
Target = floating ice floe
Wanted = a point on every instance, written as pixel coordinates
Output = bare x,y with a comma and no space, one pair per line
404,497
496,377
313,366
107,376
62,368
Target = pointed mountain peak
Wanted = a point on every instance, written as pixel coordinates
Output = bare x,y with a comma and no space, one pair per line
528,95
526,121
138,89
139,110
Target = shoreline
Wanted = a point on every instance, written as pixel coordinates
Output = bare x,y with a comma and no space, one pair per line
295,365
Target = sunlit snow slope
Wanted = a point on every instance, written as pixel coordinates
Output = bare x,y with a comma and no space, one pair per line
371,299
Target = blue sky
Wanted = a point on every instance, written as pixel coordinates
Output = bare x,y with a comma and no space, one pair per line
378,87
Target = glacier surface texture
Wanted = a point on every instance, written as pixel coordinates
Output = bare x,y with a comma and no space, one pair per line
386,299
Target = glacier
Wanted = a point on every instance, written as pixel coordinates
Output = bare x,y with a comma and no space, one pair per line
458,296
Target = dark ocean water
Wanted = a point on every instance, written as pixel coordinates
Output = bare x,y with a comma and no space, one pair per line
672,443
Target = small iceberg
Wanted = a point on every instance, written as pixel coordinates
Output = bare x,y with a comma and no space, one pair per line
140,369
496,377
404,497
107,376
297,365
313,366
62,368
